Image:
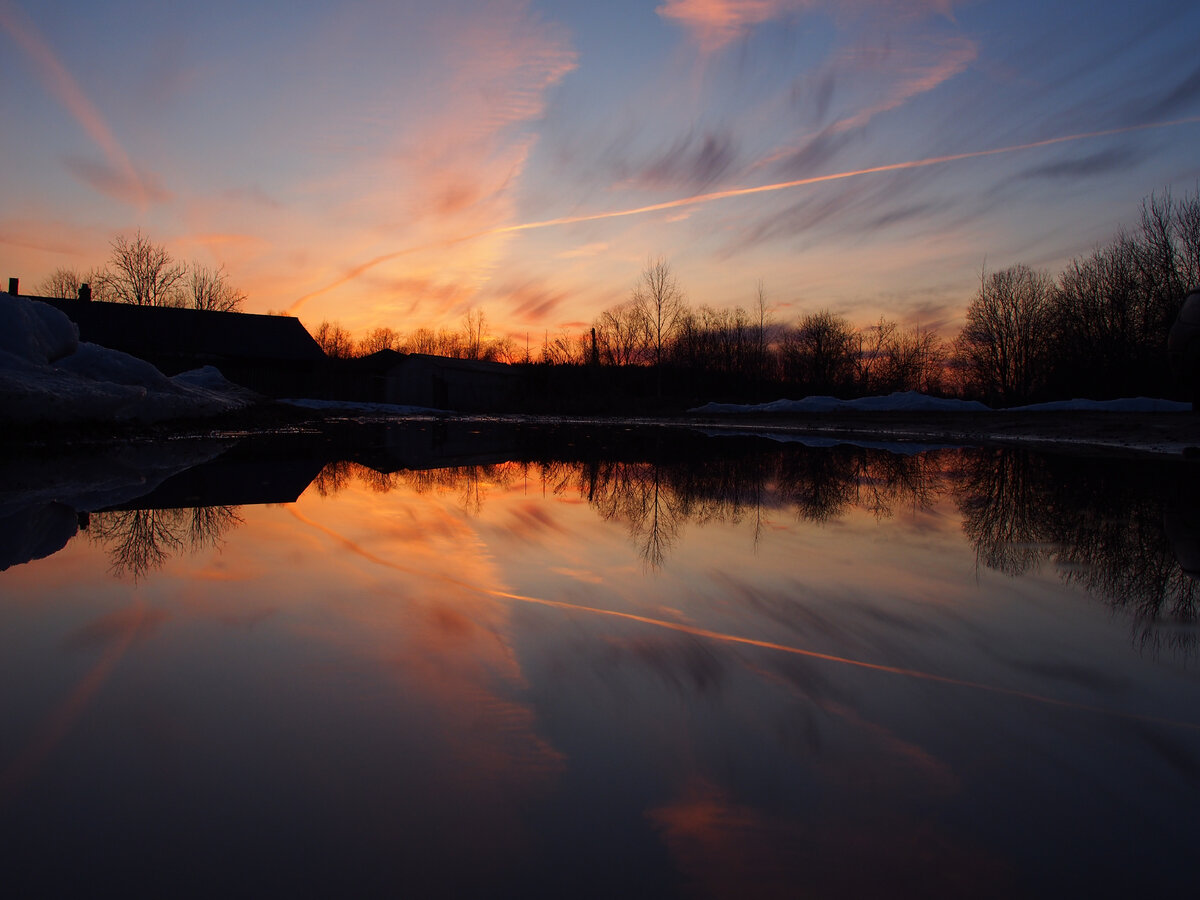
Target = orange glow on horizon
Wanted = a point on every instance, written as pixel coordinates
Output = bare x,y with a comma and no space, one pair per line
711,196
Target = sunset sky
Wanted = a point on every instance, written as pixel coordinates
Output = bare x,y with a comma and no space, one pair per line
398,163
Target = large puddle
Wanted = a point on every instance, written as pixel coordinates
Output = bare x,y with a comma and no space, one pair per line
472,659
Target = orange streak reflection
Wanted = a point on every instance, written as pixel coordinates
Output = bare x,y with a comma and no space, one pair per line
57,723
696,631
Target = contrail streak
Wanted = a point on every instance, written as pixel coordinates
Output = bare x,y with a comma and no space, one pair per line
836,176
712,196
63,85
696,631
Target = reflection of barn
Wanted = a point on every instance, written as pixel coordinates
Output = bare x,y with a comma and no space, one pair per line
274,355
439,382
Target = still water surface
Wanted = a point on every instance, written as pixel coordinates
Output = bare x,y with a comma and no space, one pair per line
576,663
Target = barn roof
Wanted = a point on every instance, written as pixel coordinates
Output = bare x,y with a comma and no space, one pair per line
165,330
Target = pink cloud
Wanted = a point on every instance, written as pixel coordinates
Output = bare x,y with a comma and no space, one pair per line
713,24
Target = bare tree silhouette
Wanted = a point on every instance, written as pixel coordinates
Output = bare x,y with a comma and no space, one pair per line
209,288
143,273
1005,341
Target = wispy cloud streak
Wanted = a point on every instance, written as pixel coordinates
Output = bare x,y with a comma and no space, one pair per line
122,179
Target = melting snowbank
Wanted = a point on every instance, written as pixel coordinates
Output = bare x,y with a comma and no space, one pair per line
48,375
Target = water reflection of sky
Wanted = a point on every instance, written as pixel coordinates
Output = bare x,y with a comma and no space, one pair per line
480,681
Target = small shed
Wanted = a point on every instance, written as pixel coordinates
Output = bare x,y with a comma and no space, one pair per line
437,382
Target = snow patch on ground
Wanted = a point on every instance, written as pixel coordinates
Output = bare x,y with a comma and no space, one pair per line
817,442
901,401
391,409
1126,405
48,375
911,401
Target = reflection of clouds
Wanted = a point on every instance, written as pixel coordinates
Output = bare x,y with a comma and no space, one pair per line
726,847
117,626
686,664
113,635
424,611
584,575
530,521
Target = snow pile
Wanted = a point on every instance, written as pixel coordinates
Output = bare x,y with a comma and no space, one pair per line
911,401
34,333
901,401
1126,405
48,375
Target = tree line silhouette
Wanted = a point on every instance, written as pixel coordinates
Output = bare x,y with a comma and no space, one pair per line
1097,330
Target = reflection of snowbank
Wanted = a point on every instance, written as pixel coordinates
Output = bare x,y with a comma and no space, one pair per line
47,375
40,497
817,442
911,401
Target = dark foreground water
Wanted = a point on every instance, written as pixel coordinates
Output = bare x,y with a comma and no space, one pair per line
471,660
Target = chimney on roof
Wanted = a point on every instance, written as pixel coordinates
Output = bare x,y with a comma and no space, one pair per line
85,292
13,284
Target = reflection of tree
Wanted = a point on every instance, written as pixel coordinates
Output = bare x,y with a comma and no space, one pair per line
1102,523
822,485
657,499
635,493
1003,516
141,540
469,482
335,476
